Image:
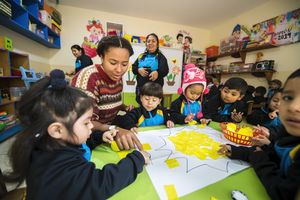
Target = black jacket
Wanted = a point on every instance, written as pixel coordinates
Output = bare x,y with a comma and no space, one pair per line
163,70
130,119
176,110
65,174
215,103
84,60
267,164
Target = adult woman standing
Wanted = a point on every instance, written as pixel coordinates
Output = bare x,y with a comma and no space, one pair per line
151,65
82,60
104,84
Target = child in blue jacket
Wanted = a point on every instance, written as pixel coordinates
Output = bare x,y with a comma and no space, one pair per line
150,112
278,167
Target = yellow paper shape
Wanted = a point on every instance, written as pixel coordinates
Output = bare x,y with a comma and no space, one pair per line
123,154
247,131
213,198
114,146
201,126
146,147
193,122
172,163
171,192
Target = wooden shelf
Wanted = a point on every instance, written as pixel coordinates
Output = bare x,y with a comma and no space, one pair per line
8,102
267,73
242,53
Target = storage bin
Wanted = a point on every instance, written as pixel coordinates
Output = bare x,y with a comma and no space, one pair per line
16,93
212,51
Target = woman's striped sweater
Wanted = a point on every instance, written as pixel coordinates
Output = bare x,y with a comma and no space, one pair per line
106,93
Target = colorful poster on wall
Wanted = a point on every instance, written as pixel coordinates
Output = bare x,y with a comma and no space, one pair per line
94,27
280,30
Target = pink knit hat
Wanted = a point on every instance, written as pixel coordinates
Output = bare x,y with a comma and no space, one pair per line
192,75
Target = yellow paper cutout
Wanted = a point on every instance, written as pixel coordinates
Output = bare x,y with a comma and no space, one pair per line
123,154
146,147
193,122
171,192
172,163
201,126
114,146
213,198
197,144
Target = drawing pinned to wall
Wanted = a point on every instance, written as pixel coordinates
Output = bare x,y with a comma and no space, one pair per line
96,33
186,158
174,72
130,81
114,29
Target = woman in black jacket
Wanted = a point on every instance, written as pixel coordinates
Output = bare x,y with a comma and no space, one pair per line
151,65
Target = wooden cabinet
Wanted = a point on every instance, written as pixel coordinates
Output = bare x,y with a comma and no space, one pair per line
242,54
11,88
25,20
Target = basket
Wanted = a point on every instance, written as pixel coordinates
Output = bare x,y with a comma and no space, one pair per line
235,137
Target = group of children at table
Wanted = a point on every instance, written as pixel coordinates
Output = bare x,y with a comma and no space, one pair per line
57,121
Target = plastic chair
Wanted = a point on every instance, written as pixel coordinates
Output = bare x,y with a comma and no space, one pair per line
28,76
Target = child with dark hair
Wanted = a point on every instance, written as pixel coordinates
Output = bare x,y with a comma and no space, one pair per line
267,116
274,84
179,43
278,167
187,106
227,105
248,98
56,121
187,49
259,97
150,113
82,60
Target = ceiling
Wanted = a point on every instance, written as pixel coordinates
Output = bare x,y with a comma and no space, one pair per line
195,13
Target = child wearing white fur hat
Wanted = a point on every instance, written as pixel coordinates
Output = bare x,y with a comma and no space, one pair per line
187,107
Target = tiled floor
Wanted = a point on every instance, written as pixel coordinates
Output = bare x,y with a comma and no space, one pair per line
4,164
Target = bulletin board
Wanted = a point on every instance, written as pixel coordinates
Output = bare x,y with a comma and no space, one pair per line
171,82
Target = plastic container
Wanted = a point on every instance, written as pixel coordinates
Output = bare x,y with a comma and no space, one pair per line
212,51
16,93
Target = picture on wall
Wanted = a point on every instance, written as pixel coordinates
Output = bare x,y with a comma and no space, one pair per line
114,29
280,30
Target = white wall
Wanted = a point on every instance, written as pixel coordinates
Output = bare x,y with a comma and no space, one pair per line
75,21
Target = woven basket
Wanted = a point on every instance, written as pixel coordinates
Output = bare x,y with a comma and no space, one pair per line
235,137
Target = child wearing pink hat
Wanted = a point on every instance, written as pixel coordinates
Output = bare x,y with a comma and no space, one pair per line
187,106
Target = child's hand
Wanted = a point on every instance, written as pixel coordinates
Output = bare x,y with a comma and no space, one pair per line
134,130
146,157
205,121
129,108
273,114
170,124
237,117
108,136
260,140
189,118
225,150
262,130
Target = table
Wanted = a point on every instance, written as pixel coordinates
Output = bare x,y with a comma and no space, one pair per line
142,189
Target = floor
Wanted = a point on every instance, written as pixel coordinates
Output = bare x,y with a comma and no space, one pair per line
4,164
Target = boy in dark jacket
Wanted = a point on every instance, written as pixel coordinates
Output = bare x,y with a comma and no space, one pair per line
227,105
150,113
278,167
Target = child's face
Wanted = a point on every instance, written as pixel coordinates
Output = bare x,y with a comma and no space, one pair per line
275,102
274,85
186,41
83,127
289,108
150,102
180,39
193,92
230,95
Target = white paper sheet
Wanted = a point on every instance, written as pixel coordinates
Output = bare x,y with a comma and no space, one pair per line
192,173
